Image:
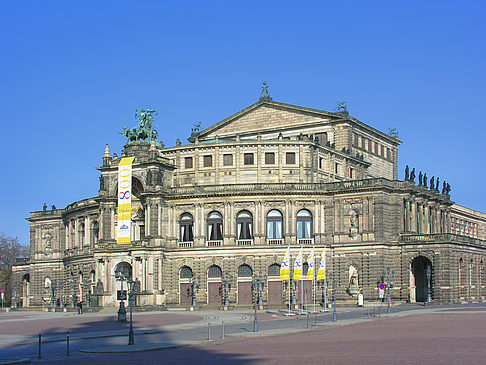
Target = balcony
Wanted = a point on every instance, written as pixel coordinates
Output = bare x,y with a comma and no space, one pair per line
186,244
440,238
244,242
215,243
305,241
275,241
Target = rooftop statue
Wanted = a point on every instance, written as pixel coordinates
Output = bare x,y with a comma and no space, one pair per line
265,95
145,130
341,106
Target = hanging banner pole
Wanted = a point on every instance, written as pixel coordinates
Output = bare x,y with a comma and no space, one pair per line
124,226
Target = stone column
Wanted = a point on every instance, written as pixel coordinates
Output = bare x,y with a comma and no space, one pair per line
159,218
87,236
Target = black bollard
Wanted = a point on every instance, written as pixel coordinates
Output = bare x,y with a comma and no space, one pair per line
209,331
39,355
222,330
67,344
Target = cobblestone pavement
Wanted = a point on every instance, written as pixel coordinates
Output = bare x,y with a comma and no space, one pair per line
410,335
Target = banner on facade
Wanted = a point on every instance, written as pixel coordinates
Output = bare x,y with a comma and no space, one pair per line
321,273
310,270
284,267
298,266
124,226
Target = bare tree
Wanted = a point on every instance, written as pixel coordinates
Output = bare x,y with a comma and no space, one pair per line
10,249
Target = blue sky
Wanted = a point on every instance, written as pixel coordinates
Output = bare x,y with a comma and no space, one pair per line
73,73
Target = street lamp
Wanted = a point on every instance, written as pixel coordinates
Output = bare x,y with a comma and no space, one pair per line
73,298
122,312
53,294
429,286
334,289
61,286
389,285
194,288
257,285
131,339
226,281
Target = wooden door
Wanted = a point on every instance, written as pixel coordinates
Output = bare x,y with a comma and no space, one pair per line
214,293
185,294
275,292
244,292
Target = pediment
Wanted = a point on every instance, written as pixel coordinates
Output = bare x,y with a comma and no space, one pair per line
263,117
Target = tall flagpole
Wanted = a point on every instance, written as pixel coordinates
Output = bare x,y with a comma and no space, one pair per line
314,279
290,289
302,279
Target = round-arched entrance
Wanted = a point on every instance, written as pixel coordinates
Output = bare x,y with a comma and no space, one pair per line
245,273
185,286
421,279
215,289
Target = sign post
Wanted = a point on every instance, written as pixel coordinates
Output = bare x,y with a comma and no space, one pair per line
2,293
381,291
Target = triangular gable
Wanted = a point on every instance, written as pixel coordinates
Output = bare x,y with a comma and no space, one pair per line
263,116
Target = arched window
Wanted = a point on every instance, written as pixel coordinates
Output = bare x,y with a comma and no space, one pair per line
186,224
215,272
96,232
186,273
274,270
274,224
244,225
215,226
304,224
125,269
245,271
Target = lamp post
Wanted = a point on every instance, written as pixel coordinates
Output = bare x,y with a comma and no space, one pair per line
334,288
53,294
429,286
389,285
122,312
61,286
194,288
73,299
131,339
226,281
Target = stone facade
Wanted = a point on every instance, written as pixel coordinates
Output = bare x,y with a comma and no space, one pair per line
227,206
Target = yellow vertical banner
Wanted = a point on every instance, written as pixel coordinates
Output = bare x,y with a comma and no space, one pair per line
298,266
284,267
321,273
124,200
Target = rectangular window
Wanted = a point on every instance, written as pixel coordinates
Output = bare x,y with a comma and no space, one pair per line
248,159
208,161
370,145
188,162
388,154
321,162
351,172
382,151
228,159
376,147
270,158
336,168
290,158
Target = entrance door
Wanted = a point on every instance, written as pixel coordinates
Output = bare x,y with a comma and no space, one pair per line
244,292
214,293
185,294
275,292
419,271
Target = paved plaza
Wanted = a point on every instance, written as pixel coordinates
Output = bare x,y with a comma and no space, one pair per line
409,335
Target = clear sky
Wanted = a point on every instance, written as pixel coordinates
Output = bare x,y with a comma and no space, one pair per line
72,74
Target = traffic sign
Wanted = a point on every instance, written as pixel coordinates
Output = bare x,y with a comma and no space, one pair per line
382,286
